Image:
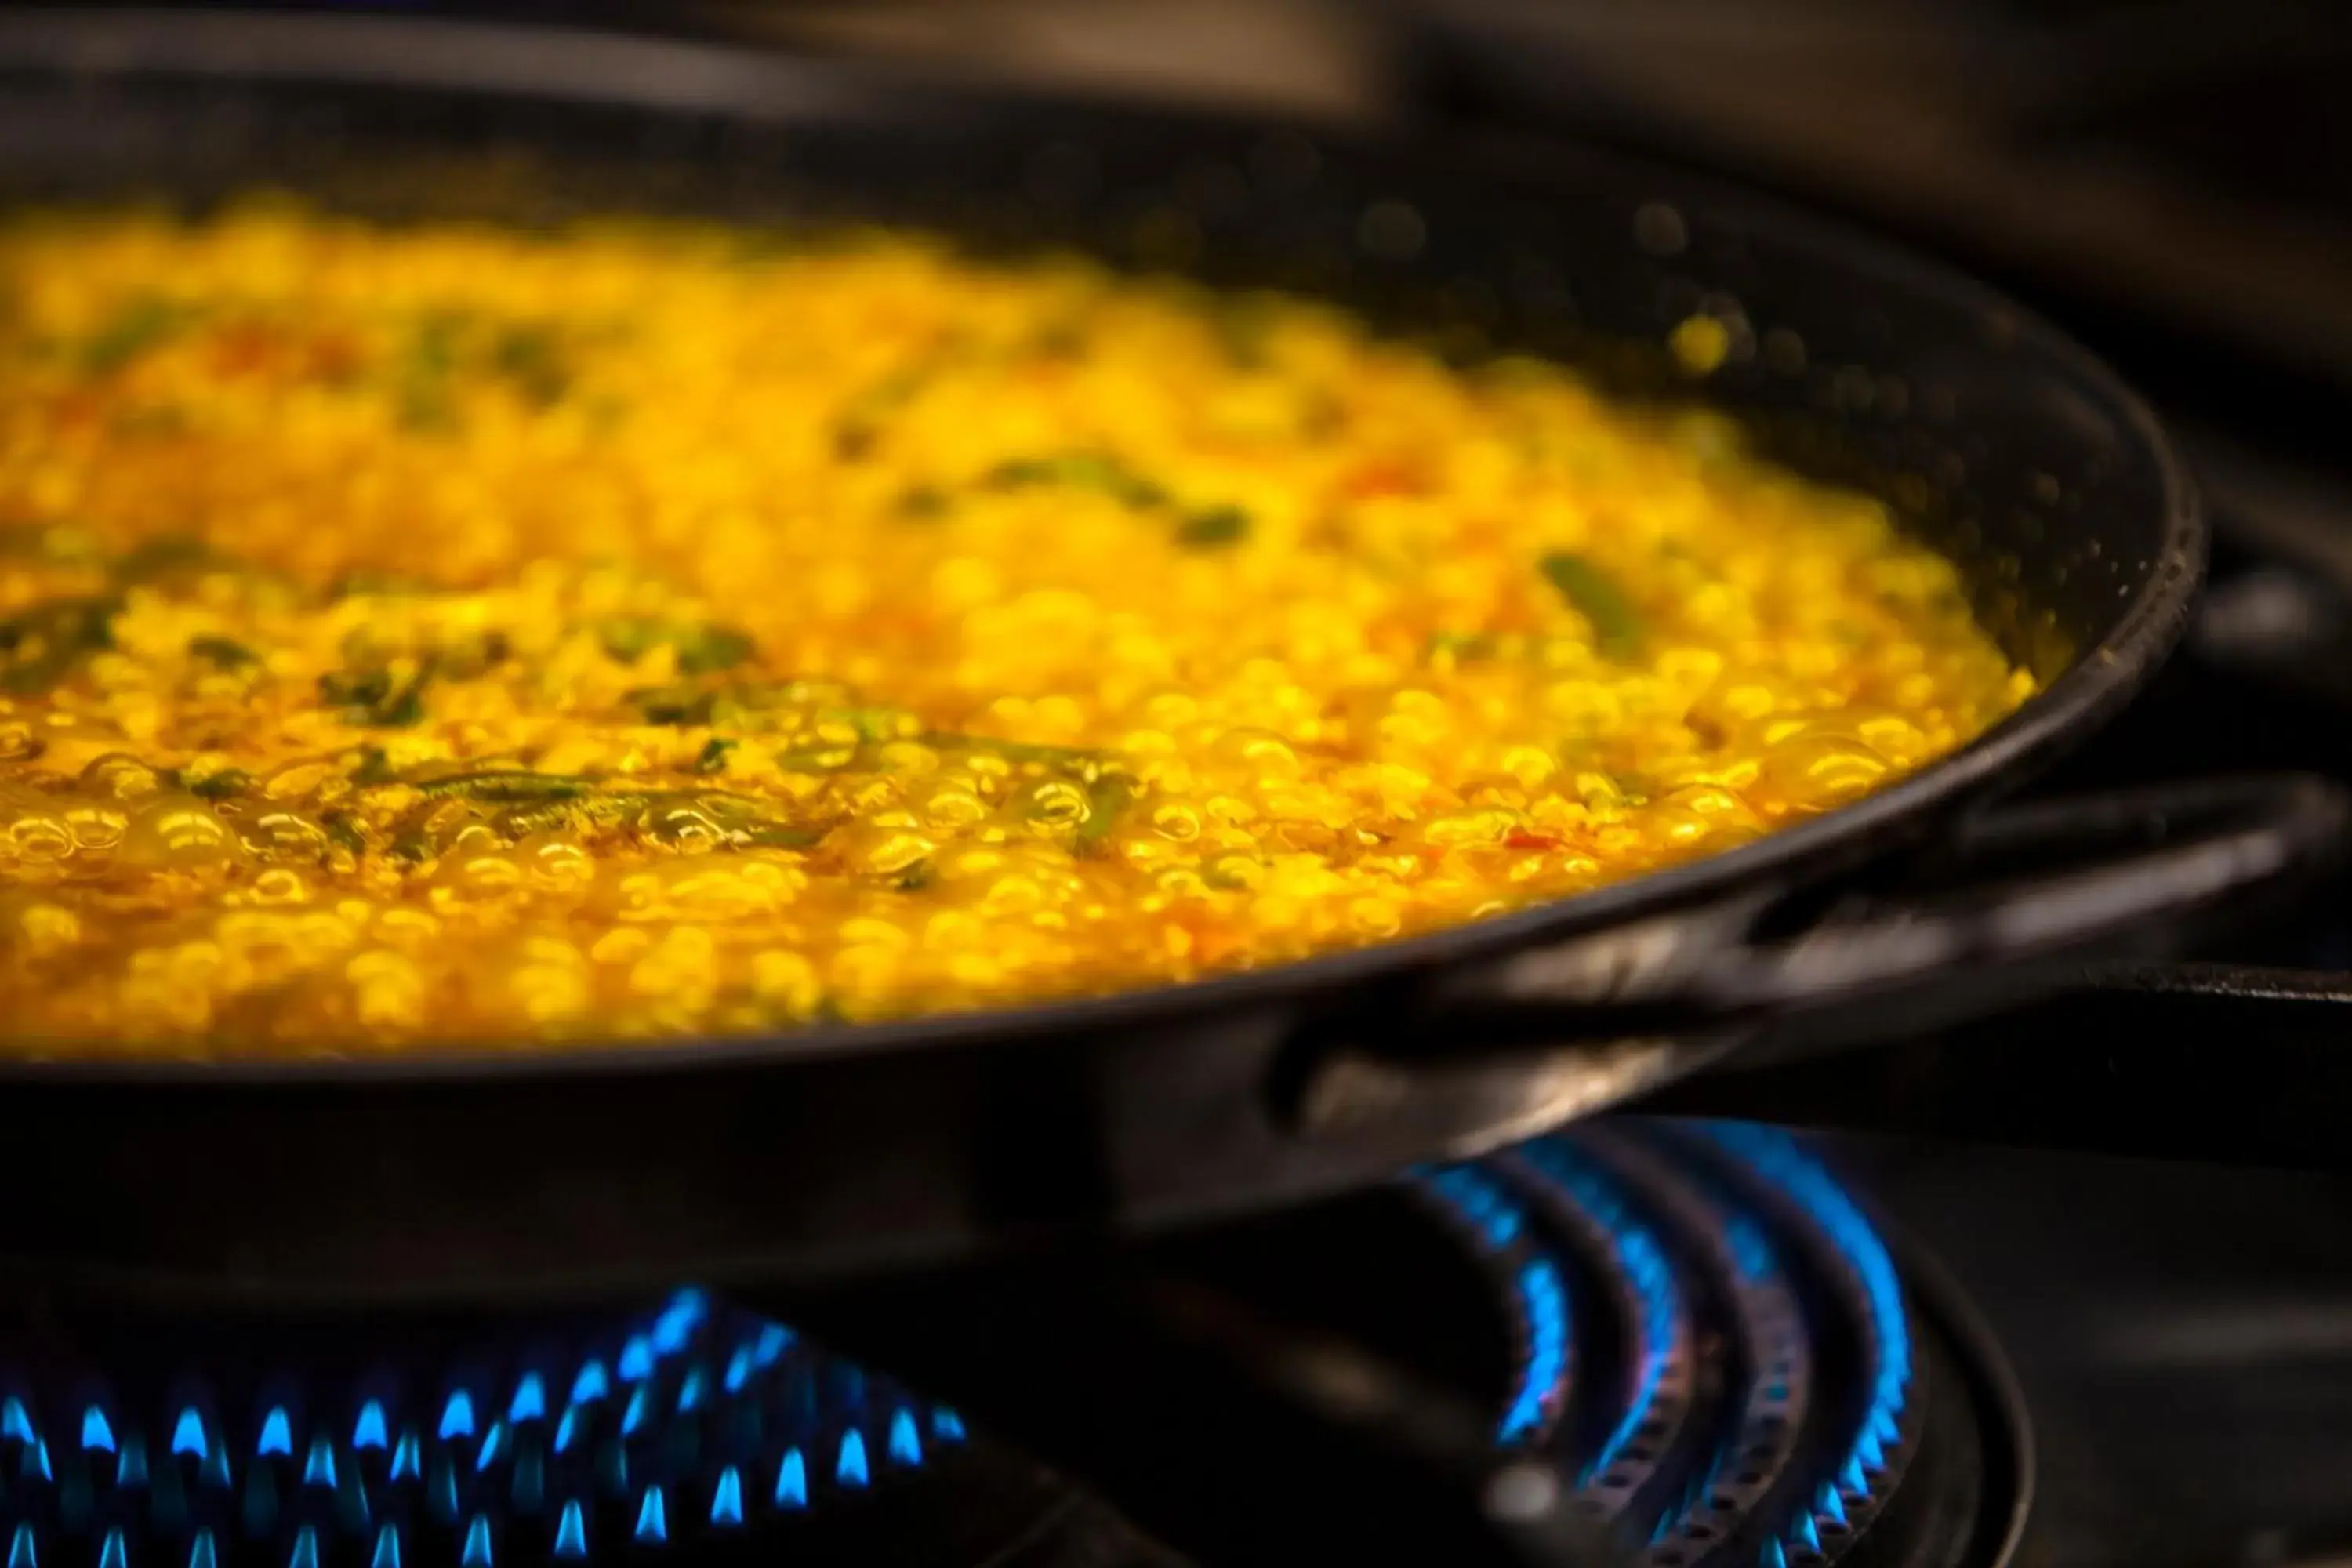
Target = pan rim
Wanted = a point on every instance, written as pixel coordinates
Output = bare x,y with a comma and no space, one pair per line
614,69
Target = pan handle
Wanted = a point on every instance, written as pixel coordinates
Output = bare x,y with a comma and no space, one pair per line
2008,908
2218,1063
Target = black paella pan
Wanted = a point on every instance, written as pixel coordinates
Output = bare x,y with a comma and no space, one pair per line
854,1147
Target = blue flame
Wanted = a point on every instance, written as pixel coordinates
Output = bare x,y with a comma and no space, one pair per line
850,1468
589,1382
572,1531
370,1430
906,1441
1543,1300
1781,1160
1483,1204
306,1485
1645,1264
318,1469
678,1319
791,1480
652,1517
727,1499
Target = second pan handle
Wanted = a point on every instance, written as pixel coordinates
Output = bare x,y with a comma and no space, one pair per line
2211,1062
2025,896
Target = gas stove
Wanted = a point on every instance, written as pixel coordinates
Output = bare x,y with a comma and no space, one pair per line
1693,1329
2039,1292
1728,1343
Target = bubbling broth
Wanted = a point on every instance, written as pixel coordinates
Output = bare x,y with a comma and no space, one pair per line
442,635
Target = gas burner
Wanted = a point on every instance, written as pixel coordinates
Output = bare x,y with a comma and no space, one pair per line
1692,1328
1718,1350
696,1428
1689,1333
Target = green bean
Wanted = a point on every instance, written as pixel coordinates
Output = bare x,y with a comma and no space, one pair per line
342,830
1107,800
924,504
781,836
171,556
223,652
506,787
374,696
1617,629
426,399
542,816
1214,528
702,648
136,326
1086,470
41,644
223,785
373,769
861,419
531,357
675,704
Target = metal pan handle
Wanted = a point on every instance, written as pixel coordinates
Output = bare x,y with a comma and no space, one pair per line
2217,1063
2010,908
